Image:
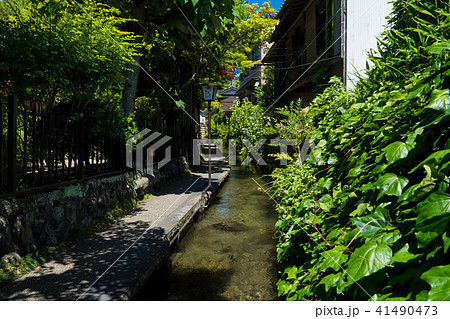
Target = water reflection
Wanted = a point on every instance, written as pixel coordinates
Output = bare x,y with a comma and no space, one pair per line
229,254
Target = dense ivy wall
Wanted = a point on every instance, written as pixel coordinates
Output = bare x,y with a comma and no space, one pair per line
368,216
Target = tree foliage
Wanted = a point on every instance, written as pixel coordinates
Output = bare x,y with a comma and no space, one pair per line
53,49
248,123
205,39
65,64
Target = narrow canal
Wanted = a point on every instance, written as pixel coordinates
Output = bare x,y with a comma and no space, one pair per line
229,253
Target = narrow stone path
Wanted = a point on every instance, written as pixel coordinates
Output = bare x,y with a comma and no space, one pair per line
113,264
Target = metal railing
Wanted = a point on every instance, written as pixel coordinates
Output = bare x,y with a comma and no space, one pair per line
42,145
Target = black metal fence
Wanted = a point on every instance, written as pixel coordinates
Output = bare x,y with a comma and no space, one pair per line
44,145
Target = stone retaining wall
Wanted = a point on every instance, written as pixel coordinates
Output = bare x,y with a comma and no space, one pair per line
34,221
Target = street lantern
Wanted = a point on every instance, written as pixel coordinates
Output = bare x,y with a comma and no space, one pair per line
209,91
209,95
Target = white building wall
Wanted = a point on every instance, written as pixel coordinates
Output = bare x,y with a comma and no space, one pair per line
366,20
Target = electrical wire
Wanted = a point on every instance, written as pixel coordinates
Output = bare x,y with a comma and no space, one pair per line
318,58
300,65
198,34
326,25
190,24
137,63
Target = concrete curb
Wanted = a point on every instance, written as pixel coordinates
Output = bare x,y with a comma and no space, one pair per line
129,273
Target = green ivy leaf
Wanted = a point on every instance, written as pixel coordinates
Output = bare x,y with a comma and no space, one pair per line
368,259
396,151
446,241
433,213
412,136
325,202
334,258
332,159
404,256
434,159
361,209
439,279
371,224
331,280
354,172
429,182
180,104
391,184
422,296
409,194
388,237
292,273
440,101
302,294
283,287
432,254
425,238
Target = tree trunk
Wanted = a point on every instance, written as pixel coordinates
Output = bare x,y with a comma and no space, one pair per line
132,75
130,88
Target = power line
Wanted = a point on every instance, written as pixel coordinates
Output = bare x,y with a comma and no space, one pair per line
198,34
134,60
316,61
313,40
300,65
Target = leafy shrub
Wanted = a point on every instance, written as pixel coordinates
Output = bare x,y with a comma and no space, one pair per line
294,124
219,123
146,113
219,128
266,92
249,122
368,216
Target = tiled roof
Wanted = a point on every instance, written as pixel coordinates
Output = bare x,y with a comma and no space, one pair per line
229,90
288,14
227,103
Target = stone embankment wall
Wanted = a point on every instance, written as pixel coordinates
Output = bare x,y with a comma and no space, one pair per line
30,222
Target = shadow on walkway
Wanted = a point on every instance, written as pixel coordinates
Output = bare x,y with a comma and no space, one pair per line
71,273
110,261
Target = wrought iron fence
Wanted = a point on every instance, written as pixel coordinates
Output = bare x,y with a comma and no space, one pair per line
44,145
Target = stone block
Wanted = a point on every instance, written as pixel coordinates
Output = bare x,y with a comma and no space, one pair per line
10,258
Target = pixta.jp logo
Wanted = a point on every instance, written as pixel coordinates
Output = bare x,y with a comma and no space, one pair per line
146,146
253,150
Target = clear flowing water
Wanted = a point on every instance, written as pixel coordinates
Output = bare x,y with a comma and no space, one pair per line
229,253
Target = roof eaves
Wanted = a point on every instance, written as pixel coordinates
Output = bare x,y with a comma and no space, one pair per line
282,9
287,15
